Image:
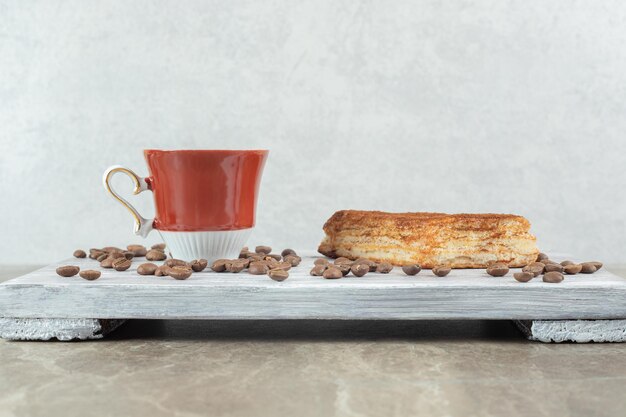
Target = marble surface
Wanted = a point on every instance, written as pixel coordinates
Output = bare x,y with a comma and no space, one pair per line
310,368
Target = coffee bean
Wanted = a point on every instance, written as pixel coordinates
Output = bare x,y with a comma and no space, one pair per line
199,265
498,270
179,272
121,264
360,269
523,276
572,269
553,267
107,262
278,274
263,249
287,252
274,256
542,256
158,246
321,261
344,268
318,270
565,263
332,273
254,257
128,255
176,262
138,250
89,274
588,268
112,249
102,257
146,269
155,255
384,268
294,260
79,253
94,253
342,260
285,266
373,265
219,265
441,270
67,270
597,264
411,269
235,267
258,268
536,268
162,271
553,277
116,255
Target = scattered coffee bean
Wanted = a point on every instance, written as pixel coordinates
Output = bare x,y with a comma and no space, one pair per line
94,253
549,262
498,269
523,276
588,268
411,269
263,249
287,252
219,265
67,270
102,257
176,262
179,272
253,257
112,249
384,268
79,253
373,265
162,271
344,268
553,267
235,267
342,260
278,274
138,250
359,269
542,256
128,254
294,260
441,270
597,264
89,274
536,268
121,264
321,261
285,266
116,255
565,263
158,246
199,265
155,255
553,277
318,270
258,268
146,269
332,273
274,256
572,269
107,262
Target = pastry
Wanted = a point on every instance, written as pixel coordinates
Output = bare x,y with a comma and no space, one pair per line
430,239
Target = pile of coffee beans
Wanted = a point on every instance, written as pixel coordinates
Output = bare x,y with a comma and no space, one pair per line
551,271
260,262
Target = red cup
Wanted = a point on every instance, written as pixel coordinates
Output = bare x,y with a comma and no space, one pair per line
205,200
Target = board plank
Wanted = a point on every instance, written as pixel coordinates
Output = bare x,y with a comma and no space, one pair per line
464,294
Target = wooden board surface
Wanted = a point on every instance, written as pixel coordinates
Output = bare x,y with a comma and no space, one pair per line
464,294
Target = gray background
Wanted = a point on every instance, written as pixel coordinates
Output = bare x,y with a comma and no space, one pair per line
454,106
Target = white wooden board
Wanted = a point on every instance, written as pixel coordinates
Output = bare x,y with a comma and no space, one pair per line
464,294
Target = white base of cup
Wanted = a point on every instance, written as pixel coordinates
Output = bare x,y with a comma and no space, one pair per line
205,245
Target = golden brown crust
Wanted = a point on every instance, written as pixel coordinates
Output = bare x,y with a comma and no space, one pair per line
461,240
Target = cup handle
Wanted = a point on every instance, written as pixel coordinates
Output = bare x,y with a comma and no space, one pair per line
142,226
